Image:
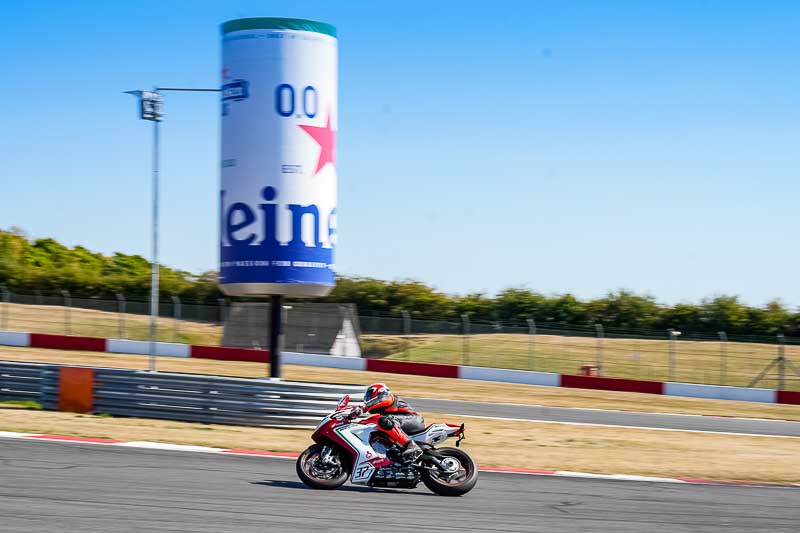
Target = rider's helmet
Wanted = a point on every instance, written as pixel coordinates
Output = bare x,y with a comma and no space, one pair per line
378,396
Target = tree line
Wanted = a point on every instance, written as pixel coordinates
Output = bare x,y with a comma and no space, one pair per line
48,267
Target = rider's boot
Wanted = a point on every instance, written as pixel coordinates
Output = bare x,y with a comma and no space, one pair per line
410,452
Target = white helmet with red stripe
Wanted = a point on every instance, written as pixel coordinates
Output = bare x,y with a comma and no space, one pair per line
378,396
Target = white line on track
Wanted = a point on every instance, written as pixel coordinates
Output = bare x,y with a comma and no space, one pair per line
267,455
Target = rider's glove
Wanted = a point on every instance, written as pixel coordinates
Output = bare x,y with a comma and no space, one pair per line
355,413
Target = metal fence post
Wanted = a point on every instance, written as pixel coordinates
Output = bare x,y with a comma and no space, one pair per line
600,345
6,307
121,316
221,303
67,314
465,336
176,315
673,337
723,357
781,362
531,343
407,332
637,354
39,298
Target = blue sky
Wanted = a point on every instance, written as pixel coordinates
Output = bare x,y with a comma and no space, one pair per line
560,146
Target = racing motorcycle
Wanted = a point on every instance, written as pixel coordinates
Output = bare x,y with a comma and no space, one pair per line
347,446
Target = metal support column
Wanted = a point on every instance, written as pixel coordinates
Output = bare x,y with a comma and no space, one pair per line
723,357
600,348
275,335
781,362
121,315
6,308
673,337
407,333
176,316
465,334
67,314
531,344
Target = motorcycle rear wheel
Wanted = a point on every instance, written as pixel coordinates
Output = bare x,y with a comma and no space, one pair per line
307,468
459,484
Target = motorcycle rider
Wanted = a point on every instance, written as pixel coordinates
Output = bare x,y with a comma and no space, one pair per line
396,419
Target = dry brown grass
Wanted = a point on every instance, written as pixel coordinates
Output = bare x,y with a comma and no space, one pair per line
492,443
696,361
418,386
94,323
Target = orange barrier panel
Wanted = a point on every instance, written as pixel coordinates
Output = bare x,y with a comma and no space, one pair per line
76,389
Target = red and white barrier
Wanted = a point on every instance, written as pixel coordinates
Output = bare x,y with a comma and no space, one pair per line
167,349
14,338
548,379
694,390
327,361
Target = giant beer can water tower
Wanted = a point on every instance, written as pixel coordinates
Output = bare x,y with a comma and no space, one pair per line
278,160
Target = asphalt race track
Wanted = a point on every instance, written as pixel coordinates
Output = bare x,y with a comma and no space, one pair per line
613,418
77,487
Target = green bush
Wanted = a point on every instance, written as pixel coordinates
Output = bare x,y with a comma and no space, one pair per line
46,265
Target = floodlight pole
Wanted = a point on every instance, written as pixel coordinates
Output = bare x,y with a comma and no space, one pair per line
154,273
154,114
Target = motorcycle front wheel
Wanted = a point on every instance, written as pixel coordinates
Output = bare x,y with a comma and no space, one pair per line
460,477
317,474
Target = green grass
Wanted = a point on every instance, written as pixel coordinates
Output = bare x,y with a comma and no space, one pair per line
695,361
22,404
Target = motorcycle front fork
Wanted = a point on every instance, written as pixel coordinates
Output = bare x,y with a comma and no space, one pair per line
327,455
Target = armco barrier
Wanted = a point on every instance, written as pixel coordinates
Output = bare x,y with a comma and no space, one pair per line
20,381
185,397
218,400
14,338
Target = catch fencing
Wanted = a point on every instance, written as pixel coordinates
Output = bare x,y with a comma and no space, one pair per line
669,355
184,397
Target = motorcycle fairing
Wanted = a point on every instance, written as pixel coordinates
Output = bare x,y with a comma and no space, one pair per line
435,434
366,458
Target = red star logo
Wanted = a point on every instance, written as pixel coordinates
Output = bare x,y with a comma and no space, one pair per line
326,138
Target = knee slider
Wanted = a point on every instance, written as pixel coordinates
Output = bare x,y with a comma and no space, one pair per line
385,423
